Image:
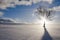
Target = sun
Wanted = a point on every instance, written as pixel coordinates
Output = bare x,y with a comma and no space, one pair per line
44,20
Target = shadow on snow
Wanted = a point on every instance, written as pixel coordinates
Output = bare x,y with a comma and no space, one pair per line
46,35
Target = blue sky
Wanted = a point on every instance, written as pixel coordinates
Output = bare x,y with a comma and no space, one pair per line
24,13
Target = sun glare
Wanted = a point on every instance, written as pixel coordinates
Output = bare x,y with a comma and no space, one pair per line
44,20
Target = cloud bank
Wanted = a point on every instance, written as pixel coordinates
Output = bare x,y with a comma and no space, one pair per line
7,20
12,3
56,8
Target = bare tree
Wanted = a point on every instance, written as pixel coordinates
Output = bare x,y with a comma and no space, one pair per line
43,12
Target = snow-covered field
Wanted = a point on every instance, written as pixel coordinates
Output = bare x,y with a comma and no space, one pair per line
30,32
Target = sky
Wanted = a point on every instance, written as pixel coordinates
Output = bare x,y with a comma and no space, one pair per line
23,10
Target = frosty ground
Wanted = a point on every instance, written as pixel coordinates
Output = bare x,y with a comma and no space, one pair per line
29,32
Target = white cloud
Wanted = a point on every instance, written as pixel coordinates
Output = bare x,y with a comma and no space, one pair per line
11,3
1,14
57,14
49,1
8,20
56,8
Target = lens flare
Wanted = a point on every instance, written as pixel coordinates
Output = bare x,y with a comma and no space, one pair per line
44,20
